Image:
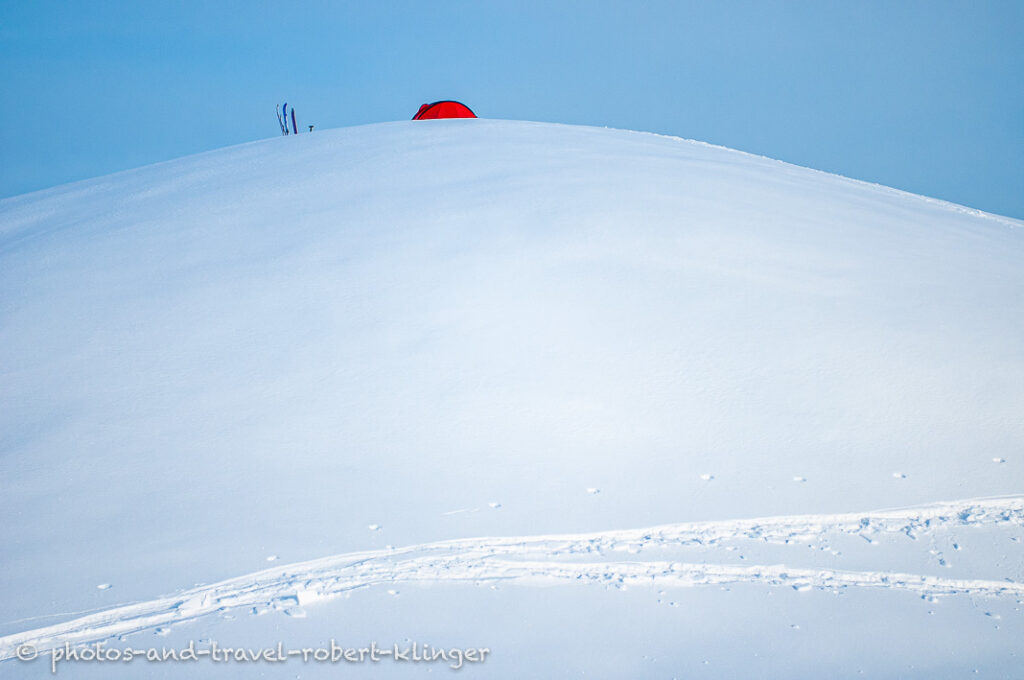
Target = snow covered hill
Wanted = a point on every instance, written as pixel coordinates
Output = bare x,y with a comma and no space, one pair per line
381,383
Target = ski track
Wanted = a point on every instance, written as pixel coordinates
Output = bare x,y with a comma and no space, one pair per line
535,559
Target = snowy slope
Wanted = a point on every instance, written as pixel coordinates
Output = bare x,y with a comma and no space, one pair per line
429,366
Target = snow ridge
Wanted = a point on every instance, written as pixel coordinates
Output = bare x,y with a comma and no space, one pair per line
567,558
1010,222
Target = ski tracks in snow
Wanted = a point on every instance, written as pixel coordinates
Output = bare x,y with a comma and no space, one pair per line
567,558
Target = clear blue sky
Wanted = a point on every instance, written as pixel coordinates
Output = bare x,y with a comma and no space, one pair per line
924,96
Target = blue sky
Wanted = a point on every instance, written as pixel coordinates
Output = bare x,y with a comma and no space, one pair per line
923,96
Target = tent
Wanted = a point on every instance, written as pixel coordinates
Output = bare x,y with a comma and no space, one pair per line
443,109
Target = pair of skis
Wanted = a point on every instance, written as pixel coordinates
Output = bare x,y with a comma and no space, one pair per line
282,120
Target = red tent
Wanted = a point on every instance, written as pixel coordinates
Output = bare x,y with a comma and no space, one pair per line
443,109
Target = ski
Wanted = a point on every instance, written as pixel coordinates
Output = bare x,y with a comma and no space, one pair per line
280,120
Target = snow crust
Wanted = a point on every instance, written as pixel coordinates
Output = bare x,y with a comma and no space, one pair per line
353,353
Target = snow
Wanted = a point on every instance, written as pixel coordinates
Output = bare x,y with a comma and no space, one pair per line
518,386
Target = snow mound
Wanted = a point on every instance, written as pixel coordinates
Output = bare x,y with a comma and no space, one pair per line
381,343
